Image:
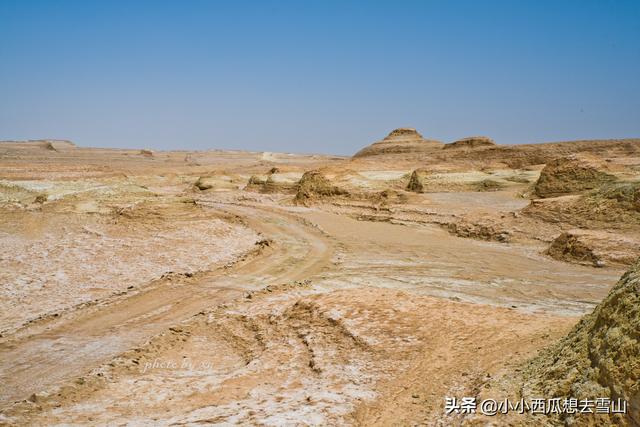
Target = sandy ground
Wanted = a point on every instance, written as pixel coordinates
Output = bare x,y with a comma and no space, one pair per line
58,263
130,297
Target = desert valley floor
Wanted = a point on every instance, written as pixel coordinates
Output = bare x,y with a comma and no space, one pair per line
256,288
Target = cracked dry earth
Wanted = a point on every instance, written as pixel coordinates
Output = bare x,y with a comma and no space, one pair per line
138,301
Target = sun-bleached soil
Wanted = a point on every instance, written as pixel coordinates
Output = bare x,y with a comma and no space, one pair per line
50,263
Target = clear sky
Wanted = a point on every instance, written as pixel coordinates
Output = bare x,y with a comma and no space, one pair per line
317,76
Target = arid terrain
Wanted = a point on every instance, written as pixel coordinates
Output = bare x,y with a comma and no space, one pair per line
257,288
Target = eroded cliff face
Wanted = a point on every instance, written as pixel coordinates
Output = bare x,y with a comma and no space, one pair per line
600,357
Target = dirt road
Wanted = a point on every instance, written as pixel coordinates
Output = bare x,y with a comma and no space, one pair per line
63,348
350,259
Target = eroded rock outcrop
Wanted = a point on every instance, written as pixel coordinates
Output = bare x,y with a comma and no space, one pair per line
600,357
400,141
314,185
597,248
612,206
471,142
416,181
572,174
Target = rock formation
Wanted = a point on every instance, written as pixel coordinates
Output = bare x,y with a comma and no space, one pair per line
314,185
572,174
400,141
415,181
594,247
471,142
600,357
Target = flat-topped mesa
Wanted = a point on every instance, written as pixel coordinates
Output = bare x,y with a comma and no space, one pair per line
400,141
39,144
471,142
403,133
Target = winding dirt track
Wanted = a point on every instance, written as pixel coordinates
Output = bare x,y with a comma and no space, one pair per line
66,347
337,253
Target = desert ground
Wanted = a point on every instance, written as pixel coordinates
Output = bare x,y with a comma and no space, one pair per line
142,287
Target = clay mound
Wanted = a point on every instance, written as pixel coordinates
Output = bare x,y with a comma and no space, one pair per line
613,203
416,181
612,206
314,185
400,141
255,183
388,197
56,144
471,142
479,228
488,185
203,184
273,182
61,144
402,134
627,195
260,184
572,174
525,155
600,357
595,248
47,145
14,194
37,144
217,182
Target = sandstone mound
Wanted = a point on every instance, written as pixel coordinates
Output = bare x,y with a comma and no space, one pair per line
600,357
416,181
61,144
15,194
612,206
572,174
403,134
203,184
49,146
524,155
388,197
595,248
273,182
489,185
400,141
479,228
37,144
314,185
217,182
430,181
613,203
255,183
471,142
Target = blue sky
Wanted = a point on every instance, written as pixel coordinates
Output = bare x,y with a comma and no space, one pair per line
317,76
